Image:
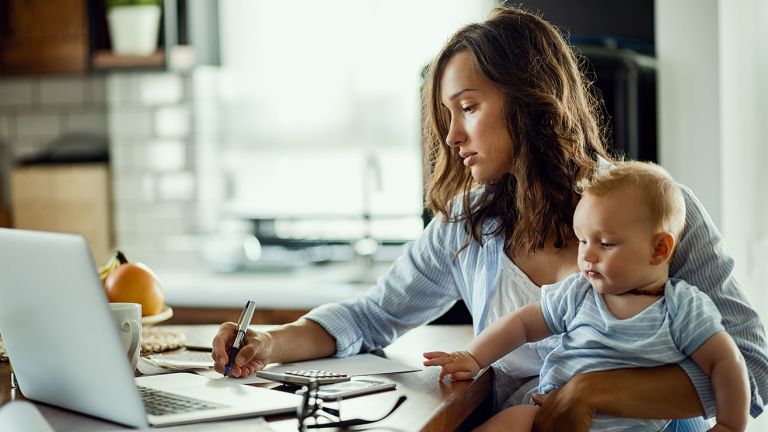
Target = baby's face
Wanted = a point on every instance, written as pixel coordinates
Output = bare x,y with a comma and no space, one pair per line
616,242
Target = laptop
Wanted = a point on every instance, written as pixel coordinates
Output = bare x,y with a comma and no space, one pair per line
66,350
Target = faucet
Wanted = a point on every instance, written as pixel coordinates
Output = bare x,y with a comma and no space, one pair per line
366,246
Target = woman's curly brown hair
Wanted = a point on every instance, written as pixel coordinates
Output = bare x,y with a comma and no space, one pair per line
553,120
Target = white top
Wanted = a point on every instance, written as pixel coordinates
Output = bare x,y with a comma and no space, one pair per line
522,366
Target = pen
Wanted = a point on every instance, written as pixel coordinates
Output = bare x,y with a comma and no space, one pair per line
242,327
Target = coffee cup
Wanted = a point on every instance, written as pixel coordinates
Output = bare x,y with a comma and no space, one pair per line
127,317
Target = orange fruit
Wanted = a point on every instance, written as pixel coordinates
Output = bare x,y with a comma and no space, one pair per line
135,283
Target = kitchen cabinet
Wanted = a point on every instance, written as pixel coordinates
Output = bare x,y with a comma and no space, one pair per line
71,36
43,36
71,198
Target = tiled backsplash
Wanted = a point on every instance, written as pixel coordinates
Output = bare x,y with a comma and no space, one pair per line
148,120
153,165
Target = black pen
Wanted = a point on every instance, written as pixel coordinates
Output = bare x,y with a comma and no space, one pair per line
242,327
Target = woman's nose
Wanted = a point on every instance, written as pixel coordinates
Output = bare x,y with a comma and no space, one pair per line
455,135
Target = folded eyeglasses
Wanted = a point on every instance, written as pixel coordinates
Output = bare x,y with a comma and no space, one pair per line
313,415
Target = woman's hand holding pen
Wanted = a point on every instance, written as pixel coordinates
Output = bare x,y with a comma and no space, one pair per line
254,355
302,339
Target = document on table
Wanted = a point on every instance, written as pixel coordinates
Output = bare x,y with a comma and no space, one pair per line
173,362
183,360
361,364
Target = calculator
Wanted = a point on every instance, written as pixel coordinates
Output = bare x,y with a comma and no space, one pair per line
303,377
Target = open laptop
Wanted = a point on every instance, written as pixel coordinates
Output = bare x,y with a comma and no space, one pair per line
66,349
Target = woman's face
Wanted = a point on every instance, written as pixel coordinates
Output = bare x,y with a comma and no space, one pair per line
478,130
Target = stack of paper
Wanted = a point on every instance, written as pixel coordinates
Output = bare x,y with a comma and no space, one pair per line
174,362
356,365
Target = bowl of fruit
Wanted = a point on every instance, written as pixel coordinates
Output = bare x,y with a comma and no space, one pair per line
133,282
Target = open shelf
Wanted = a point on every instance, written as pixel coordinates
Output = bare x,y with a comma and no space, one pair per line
107,60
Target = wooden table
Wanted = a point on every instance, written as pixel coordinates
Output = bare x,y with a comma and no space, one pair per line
431,406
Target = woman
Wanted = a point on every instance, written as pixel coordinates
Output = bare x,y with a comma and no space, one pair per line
512,128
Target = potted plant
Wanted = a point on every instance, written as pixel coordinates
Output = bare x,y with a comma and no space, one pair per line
133,26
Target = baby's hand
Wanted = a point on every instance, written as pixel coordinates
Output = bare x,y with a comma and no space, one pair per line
459,365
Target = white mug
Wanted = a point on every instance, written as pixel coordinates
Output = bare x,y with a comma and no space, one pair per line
127,316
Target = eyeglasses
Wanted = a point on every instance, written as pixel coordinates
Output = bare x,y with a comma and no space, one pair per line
311,411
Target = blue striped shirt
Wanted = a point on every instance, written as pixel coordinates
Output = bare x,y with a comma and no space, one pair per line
665,332
425,281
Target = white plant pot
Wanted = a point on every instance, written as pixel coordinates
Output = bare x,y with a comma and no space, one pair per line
133,29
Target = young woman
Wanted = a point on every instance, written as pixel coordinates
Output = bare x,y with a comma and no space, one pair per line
512,127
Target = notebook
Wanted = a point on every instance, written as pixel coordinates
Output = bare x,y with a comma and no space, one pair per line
66,349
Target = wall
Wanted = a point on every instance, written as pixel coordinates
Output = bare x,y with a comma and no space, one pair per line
153,165
712,117
688,82
148,121
713,60
743,109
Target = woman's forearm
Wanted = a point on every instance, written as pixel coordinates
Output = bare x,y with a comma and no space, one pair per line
300,340
658,392
731,385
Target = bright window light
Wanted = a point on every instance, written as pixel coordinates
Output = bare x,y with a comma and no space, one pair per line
319,111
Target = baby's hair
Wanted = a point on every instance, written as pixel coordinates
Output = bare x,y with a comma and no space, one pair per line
661,195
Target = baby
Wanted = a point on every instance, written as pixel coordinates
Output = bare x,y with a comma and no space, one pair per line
621,310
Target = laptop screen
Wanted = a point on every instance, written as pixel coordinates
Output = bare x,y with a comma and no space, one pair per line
66,349
58,330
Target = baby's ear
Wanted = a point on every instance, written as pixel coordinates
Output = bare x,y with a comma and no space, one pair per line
664,244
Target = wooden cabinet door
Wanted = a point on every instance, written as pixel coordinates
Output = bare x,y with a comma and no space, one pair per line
43,36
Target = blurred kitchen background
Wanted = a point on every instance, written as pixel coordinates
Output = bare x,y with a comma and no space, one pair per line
271,150
263,149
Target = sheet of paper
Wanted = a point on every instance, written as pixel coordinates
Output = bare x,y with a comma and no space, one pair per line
253,379
361,364
22,416
165,363
183,360
148,368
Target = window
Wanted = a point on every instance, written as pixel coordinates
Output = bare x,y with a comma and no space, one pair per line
317,114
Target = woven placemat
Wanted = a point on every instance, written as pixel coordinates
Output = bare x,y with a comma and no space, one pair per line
155,340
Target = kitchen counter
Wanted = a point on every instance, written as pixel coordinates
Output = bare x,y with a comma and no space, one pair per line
302,288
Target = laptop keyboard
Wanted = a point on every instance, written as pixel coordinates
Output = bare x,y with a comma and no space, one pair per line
160,403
